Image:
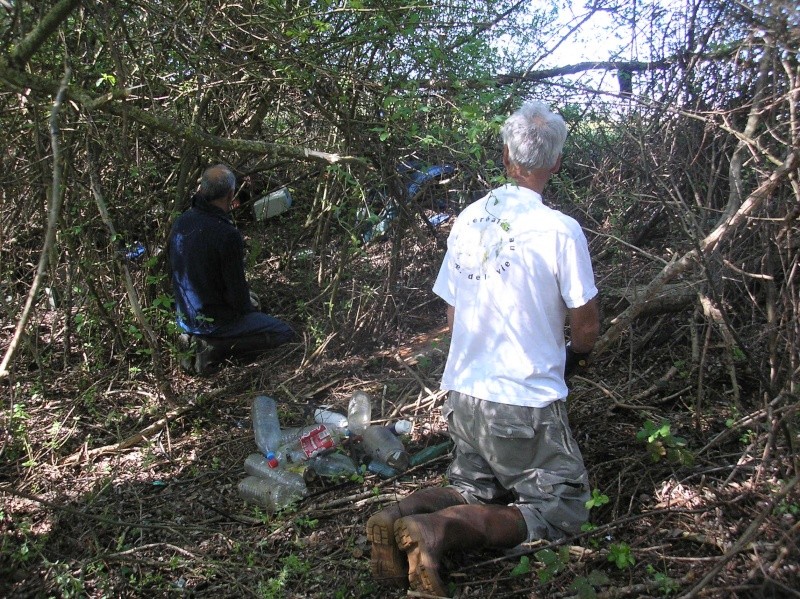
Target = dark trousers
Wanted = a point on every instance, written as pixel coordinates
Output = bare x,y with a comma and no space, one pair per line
252,334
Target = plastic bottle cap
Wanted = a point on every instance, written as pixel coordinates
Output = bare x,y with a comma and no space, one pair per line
272,461
401,427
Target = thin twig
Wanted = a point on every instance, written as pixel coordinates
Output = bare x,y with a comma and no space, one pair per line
740,543
54,214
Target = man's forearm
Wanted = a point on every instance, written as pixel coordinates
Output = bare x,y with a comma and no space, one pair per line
584,326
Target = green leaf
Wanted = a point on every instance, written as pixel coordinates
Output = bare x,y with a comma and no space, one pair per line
597,499
546,556
620,554
523,567
583,589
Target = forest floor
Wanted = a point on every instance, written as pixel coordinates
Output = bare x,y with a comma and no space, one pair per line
115,493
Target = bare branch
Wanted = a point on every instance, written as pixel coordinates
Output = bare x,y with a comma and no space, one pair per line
117,103
27,47
56,200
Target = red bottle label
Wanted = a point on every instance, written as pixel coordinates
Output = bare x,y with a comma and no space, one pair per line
316,441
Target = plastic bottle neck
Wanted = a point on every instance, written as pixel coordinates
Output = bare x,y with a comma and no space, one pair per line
272,461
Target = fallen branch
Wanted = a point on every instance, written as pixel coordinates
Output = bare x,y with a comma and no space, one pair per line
133,296
706,247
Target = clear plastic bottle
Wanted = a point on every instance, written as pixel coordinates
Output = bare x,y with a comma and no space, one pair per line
381,469
383,445
333,419
332,464
359,413
305,443
292,434
257,465
269,493
266,427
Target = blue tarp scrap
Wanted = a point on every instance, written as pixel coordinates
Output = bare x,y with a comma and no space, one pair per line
417,176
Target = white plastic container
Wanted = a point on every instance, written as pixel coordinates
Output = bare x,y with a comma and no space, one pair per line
272,204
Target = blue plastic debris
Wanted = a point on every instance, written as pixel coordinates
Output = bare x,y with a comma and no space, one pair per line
417,176
133,252
438,219
421,176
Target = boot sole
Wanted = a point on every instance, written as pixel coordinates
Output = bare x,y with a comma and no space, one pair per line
421,577
387,562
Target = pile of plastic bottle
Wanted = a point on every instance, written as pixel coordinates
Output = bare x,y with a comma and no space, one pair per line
289,458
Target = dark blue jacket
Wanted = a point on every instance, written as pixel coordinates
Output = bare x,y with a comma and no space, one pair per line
206,258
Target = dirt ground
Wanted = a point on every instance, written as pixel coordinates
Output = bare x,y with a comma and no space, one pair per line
117,494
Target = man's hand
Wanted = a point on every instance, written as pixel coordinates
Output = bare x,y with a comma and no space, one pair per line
254,301
584,329
575,361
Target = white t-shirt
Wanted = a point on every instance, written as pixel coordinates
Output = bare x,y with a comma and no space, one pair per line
512,269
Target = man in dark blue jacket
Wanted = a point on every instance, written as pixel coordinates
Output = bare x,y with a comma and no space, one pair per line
214,304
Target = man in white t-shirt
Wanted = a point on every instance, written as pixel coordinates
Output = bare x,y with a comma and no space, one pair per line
514,272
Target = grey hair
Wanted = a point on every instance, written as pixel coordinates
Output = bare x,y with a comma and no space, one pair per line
534,136
217,182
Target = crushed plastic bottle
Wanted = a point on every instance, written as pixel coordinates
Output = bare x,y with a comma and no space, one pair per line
258,465
332,419
383,445
271,494
359,413
266,427
305,443
332,465
292,434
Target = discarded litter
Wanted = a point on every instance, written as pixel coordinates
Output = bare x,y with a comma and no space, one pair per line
299,445
401,427
376,217
134,252
272,204
359,412
270,494
431,453
334,446
383,445
438,219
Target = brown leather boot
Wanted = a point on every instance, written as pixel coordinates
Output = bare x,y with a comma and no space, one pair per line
388,564
425,538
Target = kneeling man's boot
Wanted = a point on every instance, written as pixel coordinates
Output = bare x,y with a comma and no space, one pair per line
425,538
197,355
388,564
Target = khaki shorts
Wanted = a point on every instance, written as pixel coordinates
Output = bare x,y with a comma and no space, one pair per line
519,456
